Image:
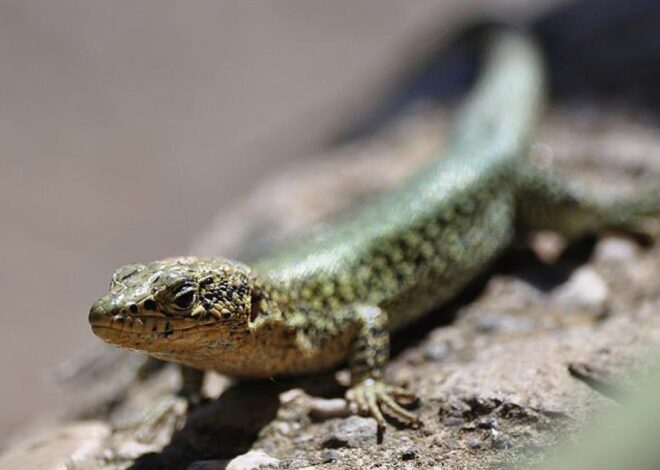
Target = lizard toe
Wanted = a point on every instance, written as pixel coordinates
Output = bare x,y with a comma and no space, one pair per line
378,399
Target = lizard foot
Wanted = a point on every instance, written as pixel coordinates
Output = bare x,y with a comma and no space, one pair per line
373,397
165,416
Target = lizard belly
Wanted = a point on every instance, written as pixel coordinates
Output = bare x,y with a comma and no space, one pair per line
279,349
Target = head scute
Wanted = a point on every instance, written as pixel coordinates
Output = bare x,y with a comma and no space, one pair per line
125,272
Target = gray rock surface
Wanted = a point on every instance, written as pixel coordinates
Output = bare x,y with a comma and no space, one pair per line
351,433
253,460
585,288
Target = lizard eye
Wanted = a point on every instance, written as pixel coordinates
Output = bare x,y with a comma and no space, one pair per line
184,297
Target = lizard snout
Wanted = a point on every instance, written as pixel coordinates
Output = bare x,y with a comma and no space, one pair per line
101,311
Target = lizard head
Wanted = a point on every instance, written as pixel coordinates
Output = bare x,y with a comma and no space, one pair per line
175,304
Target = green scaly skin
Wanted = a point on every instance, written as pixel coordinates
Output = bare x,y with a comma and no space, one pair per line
338,295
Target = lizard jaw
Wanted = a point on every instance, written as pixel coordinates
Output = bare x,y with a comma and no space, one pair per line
142,332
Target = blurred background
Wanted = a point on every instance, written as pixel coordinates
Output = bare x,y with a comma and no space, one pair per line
125,127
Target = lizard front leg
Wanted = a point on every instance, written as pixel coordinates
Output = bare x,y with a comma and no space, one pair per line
192,381
367,358
168,411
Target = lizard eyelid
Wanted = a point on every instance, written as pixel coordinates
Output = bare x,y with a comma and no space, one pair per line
185,299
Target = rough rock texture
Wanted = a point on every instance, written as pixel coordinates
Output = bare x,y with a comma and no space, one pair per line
529,353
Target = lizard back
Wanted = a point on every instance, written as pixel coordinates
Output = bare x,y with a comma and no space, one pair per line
416,247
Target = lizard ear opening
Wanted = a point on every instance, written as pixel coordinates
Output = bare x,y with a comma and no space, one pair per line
257,307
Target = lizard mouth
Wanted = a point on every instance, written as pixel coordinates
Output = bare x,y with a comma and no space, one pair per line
132,330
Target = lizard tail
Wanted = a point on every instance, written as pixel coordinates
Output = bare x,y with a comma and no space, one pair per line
502,112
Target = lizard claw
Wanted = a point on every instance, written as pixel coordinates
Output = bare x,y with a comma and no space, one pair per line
373,397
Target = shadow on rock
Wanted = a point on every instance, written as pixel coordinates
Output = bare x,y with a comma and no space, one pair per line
220,430
522,263
527,266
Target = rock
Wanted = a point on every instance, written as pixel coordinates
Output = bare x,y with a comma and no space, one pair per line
129,449
585,288
548,246
352,432
615,249
255,459
436,352
215,384
498,440
454,421
474,443
75,445
409,454
293,395
293,410
329,456
487,423
452,443
503,323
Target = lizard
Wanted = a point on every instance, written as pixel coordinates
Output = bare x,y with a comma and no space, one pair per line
337,295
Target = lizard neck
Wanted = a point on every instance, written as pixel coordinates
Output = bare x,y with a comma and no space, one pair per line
267,343
270,301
